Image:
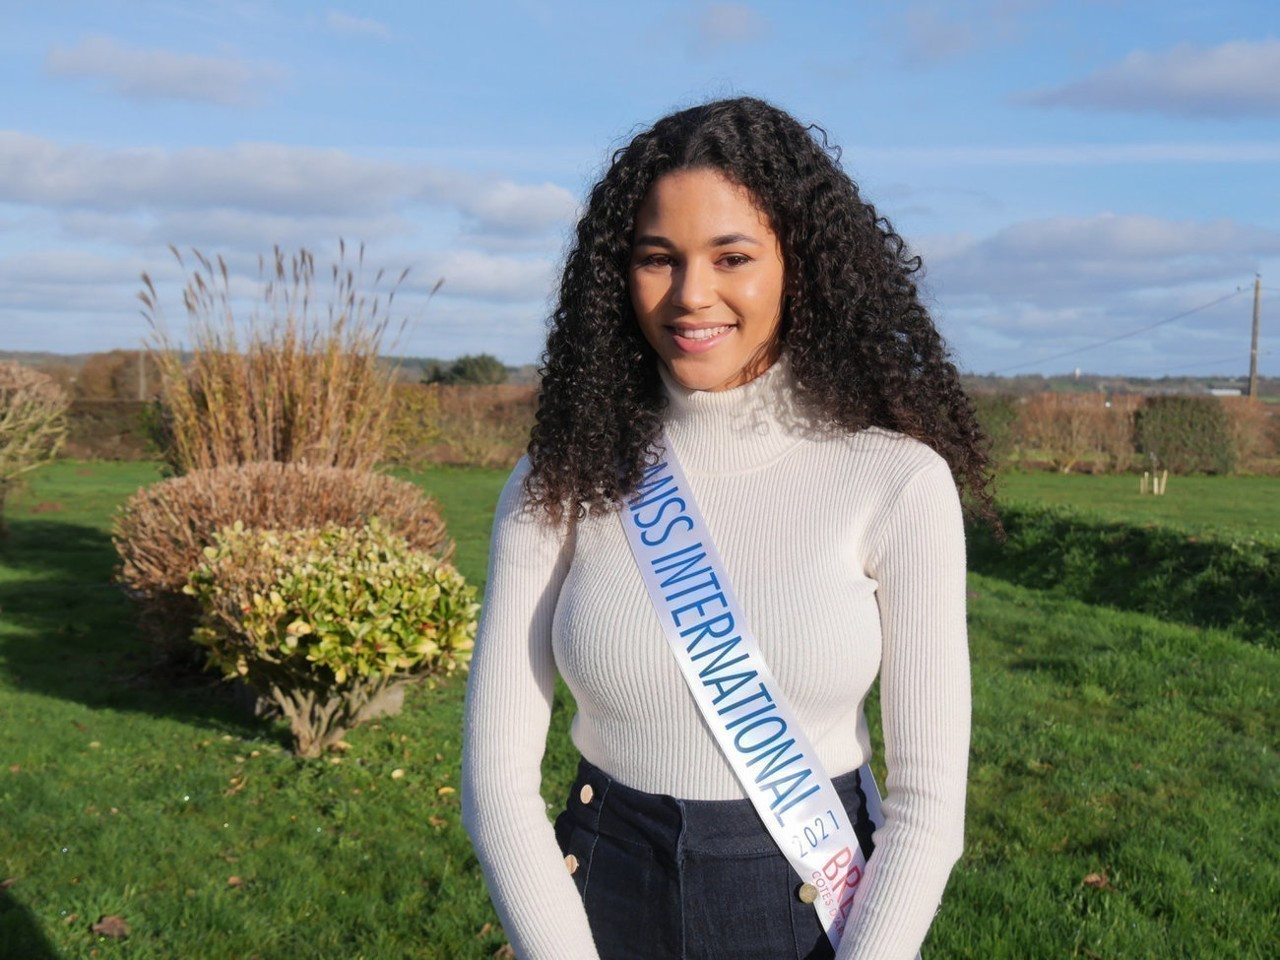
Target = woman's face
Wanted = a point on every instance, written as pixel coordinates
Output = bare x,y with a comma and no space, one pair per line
707,280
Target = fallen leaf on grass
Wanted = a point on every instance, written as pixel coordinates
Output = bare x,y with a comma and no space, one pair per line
484,931
437,822
70,918
397,773
6,884
505,952
111,926
445,791
15,768
1098,881
234,881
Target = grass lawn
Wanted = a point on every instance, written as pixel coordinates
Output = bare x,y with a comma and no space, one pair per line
1123,797
1231,506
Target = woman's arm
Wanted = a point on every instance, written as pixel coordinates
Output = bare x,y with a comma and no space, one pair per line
509,695
919,563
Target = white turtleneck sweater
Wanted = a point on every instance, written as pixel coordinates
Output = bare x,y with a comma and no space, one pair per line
847,553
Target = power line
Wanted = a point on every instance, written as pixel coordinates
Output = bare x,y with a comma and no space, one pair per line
1123,336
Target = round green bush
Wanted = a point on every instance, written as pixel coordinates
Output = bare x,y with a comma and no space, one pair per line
325,621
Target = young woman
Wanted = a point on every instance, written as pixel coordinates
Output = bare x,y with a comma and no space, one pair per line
730,295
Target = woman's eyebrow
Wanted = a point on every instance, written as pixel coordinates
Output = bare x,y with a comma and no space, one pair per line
724,240
653,240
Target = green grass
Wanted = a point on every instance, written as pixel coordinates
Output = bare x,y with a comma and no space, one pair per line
1232,506
1105,743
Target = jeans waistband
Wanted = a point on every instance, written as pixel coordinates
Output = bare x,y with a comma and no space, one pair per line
664,823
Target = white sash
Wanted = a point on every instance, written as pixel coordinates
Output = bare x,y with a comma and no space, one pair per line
738,695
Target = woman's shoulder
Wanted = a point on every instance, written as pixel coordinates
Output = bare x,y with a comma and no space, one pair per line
887,452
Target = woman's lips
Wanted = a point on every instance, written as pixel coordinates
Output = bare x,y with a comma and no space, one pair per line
700,339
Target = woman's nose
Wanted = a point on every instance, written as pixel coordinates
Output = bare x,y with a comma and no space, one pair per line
694,286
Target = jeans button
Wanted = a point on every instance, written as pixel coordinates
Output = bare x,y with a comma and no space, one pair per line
571,864
807,893
586,793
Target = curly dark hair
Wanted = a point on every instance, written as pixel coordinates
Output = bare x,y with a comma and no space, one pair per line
863,349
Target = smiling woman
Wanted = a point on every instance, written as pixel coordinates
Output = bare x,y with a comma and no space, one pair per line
738,355
706,280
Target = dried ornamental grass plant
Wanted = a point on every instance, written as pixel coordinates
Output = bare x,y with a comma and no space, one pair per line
294,378
33,423
325,622
161,531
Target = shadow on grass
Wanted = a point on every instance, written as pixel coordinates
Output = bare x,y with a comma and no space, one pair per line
67,631
1231,584
20,935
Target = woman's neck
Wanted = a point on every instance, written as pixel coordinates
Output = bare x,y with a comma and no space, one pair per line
735,429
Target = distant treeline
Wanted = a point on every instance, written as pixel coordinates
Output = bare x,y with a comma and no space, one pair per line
1025,385
134,375
121,374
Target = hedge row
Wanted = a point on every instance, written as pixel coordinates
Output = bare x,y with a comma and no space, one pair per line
109,430
1163,571
477,425
1094,433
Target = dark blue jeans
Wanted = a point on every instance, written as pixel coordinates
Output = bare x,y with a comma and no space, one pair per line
688,879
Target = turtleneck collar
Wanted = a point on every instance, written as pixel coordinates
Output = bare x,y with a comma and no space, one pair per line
731,431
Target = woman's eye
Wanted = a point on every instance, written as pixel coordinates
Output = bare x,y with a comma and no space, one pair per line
735,260
655,260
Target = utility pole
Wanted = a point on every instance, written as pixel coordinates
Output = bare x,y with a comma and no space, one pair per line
1253,351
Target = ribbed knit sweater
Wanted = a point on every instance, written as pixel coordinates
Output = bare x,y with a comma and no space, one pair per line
847,553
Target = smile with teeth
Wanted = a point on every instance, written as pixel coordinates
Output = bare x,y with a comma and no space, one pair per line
701,333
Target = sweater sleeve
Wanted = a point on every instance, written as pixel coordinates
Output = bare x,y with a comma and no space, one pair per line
508,709
919,564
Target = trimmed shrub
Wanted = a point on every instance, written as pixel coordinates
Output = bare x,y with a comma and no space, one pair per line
33,423
484,426
161,531
1186,434
414,429
1077,429
1255,433
1169,573
325,622
111,430
998,415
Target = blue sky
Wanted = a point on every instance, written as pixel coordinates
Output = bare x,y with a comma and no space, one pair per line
1070,170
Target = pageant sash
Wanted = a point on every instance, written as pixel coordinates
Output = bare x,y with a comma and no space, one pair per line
738,695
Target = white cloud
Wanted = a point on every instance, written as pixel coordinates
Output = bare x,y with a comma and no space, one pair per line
729,24
1065,261
491,238
471,273
502,204
1236,79
151,74
265,178
933,32
357,26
